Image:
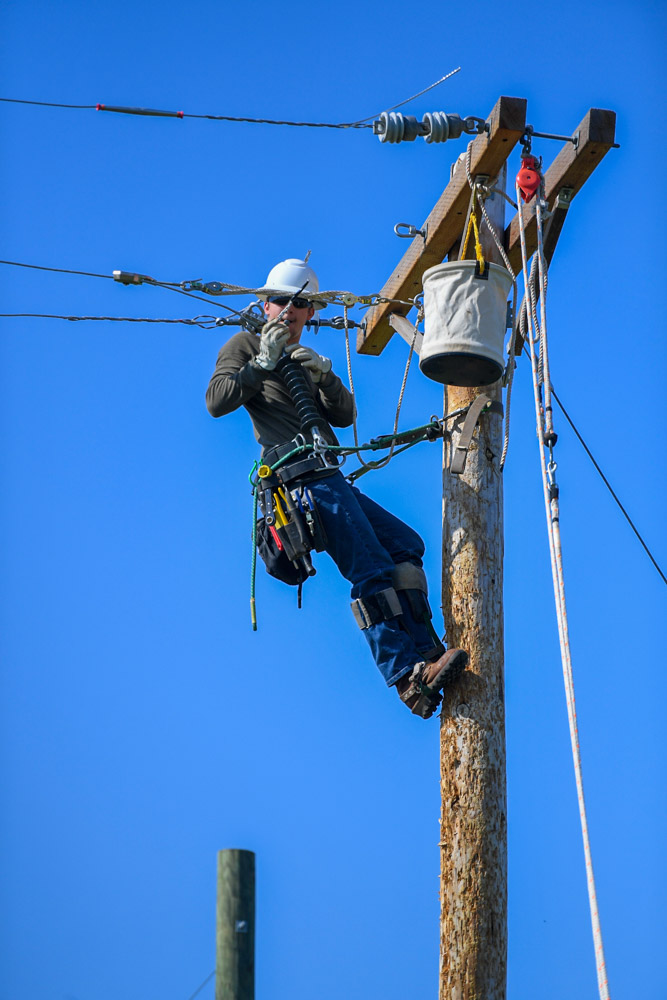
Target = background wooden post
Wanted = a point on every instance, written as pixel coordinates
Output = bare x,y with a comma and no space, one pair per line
235,926
473,841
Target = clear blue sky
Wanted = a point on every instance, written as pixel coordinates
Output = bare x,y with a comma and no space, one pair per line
144,726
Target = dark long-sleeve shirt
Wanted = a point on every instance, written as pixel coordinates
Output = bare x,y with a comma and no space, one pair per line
236,382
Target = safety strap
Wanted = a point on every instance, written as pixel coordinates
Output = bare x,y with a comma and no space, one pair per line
458,462
376,608
410,580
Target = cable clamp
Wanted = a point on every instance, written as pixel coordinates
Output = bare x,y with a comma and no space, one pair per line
564,198
335,322
129,278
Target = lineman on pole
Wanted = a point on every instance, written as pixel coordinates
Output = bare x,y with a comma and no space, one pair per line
379,554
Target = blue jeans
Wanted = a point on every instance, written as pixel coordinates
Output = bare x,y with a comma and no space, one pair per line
366,542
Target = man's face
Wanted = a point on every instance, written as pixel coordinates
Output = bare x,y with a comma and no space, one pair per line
295,318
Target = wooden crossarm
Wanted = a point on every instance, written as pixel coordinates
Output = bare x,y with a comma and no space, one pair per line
445,223
571,169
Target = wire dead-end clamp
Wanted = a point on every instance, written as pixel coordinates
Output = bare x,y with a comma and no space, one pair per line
129,278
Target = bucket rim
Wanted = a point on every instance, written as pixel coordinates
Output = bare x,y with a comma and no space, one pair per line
464,265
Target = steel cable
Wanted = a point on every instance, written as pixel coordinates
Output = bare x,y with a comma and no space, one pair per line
201,986
60,270
174,286
204,322
150,112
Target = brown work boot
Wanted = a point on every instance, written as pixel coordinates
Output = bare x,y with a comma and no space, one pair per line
421,689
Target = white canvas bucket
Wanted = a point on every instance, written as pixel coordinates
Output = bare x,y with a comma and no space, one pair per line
465,320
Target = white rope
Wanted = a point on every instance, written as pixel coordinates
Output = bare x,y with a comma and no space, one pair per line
544,353
511,363
539,334
480,199
383,461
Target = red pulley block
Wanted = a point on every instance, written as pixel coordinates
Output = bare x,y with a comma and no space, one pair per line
528,177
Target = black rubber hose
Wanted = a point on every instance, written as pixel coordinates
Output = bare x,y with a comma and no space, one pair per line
294,378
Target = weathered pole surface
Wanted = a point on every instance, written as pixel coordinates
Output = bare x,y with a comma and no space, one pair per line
235,926
473,835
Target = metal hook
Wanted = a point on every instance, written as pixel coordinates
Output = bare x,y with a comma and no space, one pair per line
411,231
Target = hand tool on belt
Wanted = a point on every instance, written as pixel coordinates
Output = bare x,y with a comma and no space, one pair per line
294,524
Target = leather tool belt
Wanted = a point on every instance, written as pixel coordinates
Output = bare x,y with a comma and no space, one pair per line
304,467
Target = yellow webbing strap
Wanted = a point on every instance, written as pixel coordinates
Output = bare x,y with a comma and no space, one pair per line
472,224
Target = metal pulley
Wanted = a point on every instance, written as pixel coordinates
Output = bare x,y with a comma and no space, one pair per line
529,177
435,126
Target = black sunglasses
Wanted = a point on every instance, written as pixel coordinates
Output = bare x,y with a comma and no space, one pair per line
284,300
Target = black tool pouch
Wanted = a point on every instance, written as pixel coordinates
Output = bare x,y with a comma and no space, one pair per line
276,562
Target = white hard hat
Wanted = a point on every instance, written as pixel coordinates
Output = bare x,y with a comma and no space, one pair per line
288,277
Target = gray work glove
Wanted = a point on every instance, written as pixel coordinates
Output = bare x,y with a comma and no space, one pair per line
310,359
272,342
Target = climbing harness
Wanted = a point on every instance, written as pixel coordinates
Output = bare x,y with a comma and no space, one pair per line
296,460
547,438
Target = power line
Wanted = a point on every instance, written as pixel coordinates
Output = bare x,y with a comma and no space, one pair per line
169,285
155,113
191,295
47,104
603,477
60,270
205,322
414,96
132,278
200,320
201,986
608,484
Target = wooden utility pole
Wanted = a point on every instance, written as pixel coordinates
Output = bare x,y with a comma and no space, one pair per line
235,926
473,821
473,837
